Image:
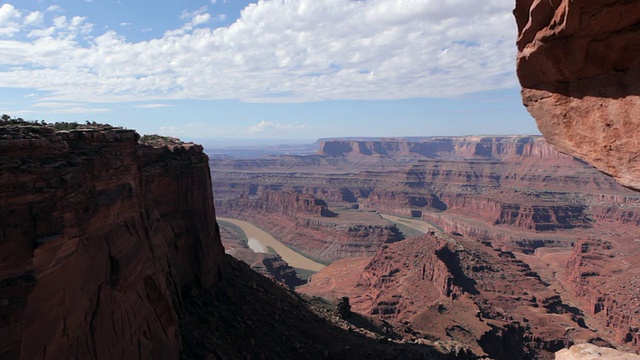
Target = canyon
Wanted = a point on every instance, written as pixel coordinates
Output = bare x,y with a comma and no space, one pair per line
516,238
110,249
452,247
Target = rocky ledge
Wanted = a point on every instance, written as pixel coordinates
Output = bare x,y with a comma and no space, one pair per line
579,70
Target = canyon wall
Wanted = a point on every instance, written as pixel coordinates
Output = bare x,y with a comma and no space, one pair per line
516,191
102,241
579,70
496,147
606,285
513,201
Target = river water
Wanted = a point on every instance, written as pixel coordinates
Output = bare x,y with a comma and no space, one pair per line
416,224
259,240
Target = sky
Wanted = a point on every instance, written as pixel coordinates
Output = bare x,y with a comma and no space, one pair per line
272,69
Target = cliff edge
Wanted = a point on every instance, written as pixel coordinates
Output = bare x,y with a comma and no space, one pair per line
102,241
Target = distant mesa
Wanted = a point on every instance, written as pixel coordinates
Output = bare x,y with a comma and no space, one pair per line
431,147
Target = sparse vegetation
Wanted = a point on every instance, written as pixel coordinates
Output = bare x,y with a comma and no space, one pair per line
407,231
344,308
235,230
304,274
7,120
159,140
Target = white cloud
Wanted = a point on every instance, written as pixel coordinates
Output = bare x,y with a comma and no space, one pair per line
55,8
200,19
9,17
63,107
35,18
80,110
56,105
197,17
152,106
8,13
196,130
277,51
268,126
186,15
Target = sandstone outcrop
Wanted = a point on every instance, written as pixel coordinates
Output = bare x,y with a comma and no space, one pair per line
580,73
593,352
102,241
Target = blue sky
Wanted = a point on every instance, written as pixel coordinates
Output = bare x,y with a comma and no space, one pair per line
286,69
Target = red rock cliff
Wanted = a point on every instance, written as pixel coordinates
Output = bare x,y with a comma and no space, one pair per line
102,239
580,73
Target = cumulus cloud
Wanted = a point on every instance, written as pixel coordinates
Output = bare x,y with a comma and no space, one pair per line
277,51
54,8
9,17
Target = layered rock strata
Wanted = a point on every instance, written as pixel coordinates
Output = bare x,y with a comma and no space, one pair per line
579,70
517,191
511,194
102,241
450,287
607,289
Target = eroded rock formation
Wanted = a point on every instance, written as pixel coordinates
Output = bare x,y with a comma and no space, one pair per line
516,192
516,207
488,299
102,240
593,352
580,72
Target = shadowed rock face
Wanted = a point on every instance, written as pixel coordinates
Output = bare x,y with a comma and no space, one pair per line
102,240
580,73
